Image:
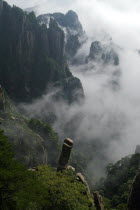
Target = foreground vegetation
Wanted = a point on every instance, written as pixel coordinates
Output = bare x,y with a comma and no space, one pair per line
116,186
42,188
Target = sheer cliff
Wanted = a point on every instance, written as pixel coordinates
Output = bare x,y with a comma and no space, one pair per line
70,24
32,57
103,53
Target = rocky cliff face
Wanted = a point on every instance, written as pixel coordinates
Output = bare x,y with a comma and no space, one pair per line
103,53
56,41
31,55
69,22
34,142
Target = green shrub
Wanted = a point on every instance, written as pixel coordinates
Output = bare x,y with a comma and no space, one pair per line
43,188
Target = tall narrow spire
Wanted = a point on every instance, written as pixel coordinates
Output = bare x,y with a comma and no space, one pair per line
65,154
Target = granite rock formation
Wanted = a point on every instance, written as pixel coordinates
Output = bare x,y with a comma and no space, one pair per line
70,24
103,53
32,56
65,154
56,41
98,201
82,179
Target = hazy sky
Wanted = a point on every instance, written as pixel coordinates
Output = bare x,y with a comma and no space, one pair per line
118,4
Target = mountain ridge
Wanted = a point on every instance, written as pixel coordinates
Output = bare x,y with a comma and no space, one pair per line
32,57
70,24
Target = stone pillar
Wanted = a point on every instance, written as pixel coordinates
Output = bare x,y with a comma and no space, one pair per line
98,201
65,154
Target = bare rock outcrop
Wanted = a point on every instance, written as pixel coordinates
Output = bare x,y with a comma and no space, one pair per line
103,53
82,179
65,154
98,201
32,58
56,41
70,24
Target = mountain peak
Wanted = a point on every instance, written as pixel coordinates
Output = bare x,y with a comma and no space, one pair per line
72,21
72,13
